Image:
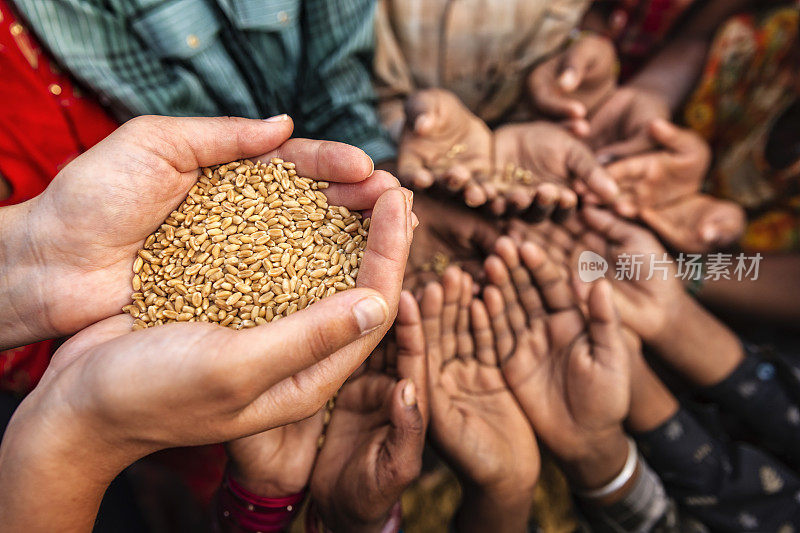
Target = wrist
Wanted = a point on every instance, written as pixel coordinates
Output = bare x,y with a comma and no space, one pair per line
264,485
22,317
343,521
603,459
696,344
52,469
499,509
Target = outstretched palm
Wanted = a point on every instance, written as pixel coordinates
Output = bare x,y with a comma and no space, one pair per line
475,421
570,372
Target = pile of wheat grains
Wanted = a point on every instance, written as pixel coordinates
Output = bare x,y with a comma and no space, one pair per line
252,242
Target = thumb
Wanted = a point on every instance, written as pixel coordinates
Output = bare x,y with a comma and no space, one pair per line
604,326
674,138
573,68
422,111
402,462
282,349
188,143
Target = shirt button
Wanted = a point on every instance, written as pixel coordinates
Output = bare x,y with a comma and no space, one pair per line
55,89
283,17
192,41
16,28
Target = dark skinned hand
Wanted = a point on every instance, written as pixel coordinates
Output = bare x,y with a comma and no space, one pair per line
568,371
536,166
373,444
571,84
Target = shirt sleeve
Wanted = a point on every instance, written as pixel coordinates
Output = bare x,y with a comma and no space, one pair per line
101,48
336,99
763,395
727,486
643,509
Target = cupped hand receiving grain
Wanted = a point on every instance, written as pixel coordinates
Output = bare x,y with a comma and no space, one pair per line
83,232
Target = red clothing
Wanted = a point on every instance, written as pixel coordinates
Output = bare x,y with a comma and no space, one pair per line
44,124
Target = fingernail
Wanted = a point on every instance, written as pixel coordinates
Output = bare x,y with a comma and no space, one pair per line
370,313
277,118
409,214
710,234
568,80
410,394
372,161
414,221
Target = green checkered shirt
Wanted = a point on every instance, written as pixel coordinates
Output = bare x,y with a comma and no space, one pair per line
251,58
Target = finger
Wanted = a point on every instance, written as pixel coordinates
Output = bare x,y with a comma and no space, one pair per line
411,169
325,160
520,198
522,291
475,195
551,281
498,206
431,307
451,286
188,143
482,333
579,127
280,349
574,67
673,233
501,329
566,207
456,177
411,347
549,97
604,327
582,164
627,171
465,346
362,195
401,461
679,140
500,269
609,225
422,111
544,203
635,145
722,224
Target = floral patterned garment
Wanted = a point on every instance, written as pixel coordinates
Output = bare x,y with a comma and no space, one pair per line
749,83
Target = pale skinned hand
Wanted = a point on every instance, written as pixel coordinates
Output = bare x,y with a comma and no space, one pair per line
373,444
673,171
73,245
476,423
443,144
558,162
569,372
111,396
620,127
571,84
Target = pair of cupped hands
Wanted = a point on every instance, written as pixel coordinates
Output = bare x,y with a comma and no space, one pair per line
479,375
111,396
610,145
